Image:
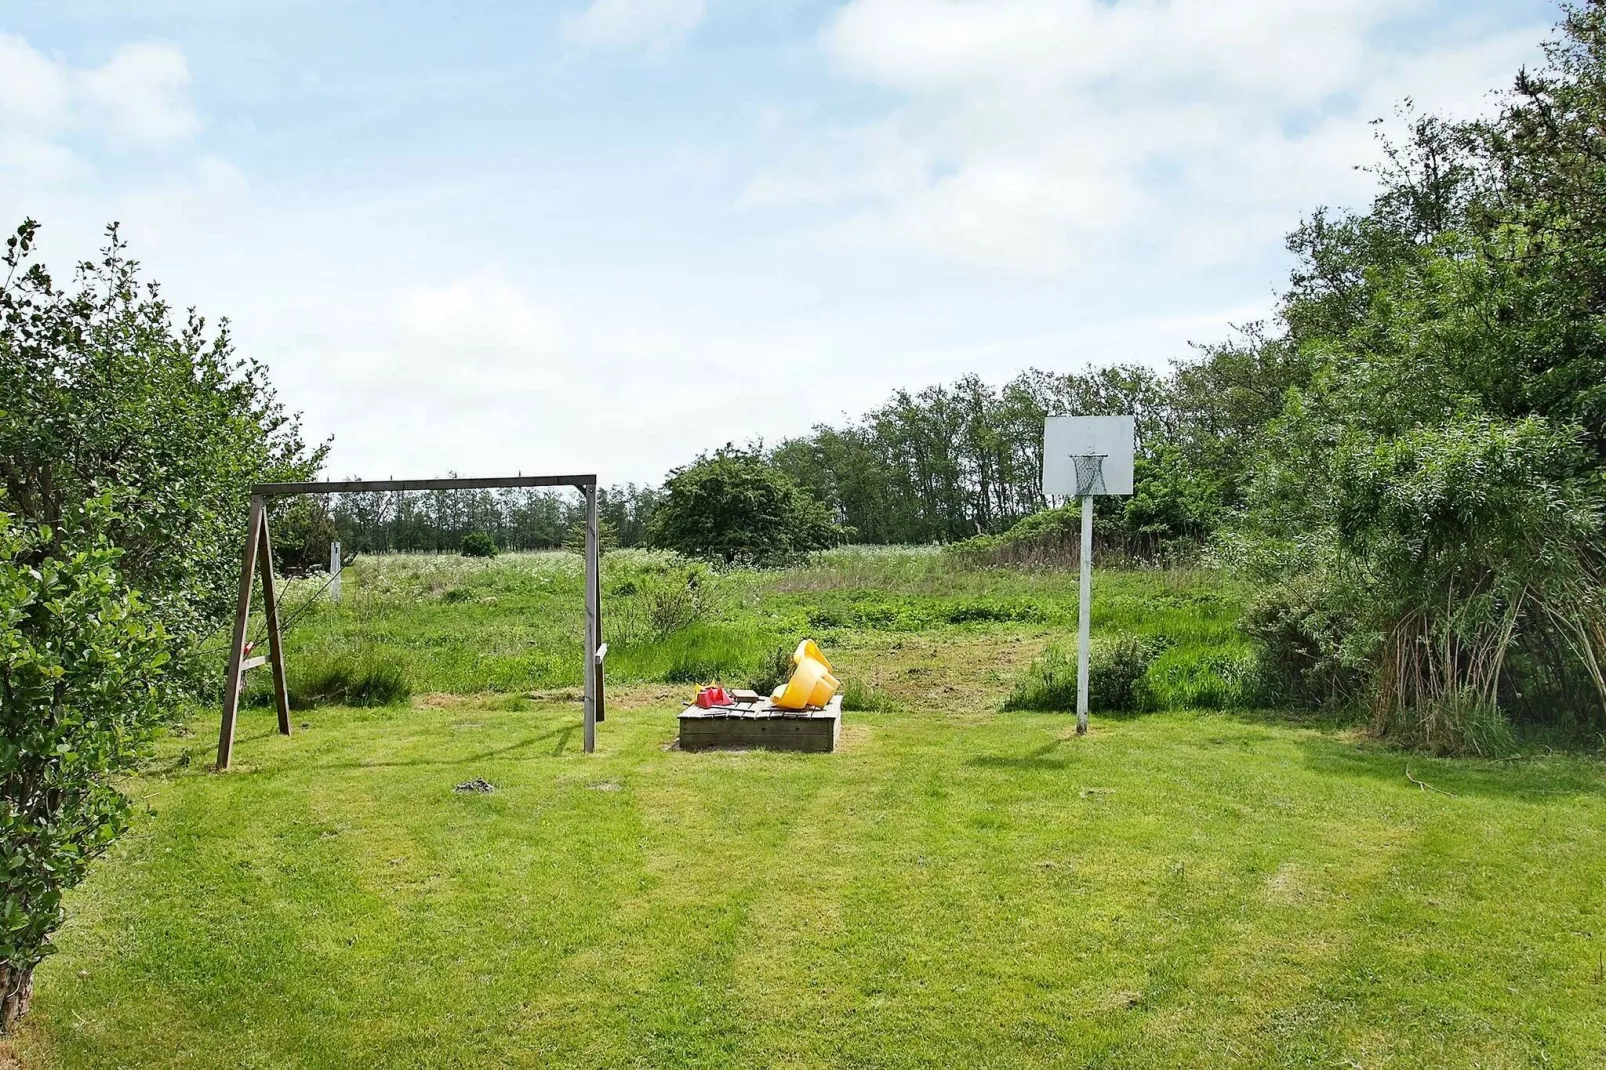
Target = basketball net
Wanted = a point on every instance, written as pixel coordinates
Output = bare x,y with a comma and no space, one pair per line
1089,474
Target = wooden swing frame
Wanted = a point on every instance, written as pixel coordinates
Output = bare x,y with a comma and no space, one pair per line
259,549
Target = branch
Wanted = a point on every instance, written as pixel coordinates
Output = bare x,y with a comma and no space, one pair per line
1425,786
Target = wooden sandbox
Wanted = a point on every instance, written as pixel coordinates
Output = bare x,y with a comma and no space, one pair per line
761,724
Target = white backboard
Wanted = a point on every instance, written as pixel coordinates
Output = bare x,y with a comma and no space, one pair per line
1066,438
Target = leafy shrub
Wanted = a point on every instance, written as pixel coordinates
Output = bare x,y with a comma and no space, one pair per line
672,606
1307,628
655,605
478,544
1162,523
1474,543
106,388
1116,672
302,531
1116,677
107,397
82,673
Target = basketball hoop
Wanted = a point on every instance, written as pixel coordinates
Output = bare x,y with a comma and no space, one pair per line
1087,457
1089,474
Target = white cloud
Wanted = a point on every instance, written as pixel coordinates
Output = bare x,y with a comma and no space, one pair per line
650,23
33,90
139,97
141,94
1032,135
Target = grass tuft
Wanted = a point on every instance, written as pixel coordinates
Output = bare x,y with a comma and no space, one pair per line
865,696
772,670
339,680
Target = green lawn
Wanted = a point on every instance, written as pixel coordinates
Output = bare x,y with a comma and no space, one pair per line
955,887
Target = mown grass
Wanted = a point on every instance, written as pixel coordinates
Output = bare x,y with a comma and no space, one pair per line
954,888
957,886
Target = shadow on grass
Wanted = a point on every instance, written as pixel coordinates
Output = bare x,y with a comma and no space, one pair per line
1532,772
1037,760
1534,775
563,734
1542,773
1517,777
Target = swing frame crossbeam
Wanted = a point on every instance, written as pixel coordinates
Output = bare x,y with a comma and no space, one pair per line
259,553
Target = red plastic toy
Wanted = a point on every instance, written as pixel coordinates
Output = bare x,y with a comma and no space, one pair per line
708,697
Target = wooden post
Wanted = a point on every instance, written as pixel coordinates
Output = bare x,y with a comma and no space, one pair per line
270,604
1084,617
334,571
592,670
602,647
242,613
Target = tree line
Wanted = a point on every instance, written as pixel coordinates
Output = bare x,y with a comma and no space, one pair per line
948,462
516,518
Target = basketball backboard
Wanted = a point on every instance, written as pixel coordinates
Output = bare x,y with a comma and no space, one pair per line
1088,455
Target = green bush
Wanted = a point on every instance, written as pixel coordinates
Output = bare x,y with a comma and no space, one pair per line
736,506
105,388
1116,677
302,532
1117,672
478,544
654,603
1307,627
82,675
109,396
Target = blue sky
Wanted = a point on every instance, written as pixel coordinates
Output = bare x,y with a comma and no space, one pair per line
606,234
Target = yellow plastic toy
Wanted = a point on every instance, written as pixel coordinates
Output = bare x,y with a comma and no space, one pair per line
811,684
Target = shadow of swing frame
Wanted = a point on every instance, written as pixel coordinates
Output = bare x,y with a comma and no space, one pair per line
259,550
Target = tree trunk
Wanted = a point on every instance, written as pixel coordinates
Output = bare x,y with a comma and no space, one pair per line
16,992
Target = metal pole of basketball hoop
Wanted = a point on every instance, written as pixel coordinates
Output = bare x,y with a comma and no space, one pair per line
1084,615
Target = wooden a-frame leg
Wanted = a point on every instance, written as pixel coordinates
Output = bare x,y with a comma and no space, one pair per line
270,606
242,613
